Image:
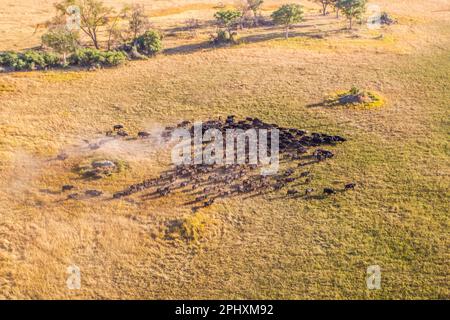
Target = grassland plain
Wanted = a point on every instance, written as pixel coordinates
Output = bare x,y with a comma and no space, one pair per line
267,247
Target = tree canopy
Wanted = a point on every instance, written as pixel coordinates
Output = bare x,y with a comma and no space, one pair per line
287,15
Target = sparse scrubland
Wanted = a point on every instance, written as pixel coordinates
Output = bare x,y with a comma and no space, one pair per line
386,90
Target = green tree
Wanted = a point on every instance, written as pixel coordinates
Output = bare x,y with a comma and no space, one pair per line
149,43
287,15
93,16
61,41
114,29
336,5
352,9
227,18
138,22
255,7
325,4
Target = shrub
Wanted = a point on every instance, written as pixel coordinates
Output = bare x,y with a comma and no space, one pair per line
22,61
223,36
34,59
354,90
91,57
355,97
51,59
114,58
149,43
9,59
29,60
86,57
22,65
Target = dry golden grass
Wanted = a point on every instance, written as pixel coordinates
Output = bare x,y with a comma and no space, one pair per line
267,247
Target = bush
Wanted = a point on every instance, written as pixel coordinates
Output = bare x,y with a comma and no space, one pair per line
51,60
20,64
34,59
12,60
223,37
86,57
355,97
114,58
149,43
9,59
29,60
91,57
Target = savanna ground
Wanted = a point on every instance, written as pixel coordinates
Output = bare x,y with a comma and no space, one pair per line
264,247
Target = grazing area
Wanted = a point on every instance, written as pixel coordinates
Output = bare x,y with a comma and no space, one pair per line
86,177
210,181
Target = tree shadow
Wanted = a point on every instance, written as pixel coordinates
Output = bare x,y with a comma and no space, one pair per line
317,105
292,34
190,48
195,26
272,34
